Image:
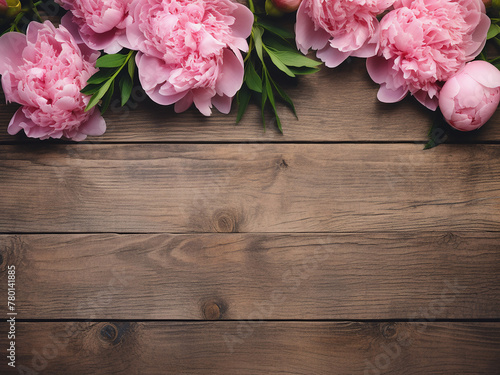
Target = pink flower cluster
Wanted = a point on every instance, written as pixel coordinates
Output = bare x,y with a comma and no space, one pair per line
189,51
99,24
338,29
44,71
417,46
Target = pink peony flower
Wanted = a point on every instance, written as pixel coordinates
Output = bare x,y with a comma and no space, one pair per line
44,71
339,28
99,24
189,50
469,98
423,43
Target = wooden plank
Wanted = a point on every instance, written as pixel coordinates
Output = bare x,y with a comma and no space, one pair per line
254,276
255,348
248,188
334,105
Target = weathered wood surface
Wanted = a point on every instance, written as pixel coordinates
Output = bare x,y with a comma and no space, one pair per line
256,348
252,276
249,188
335,105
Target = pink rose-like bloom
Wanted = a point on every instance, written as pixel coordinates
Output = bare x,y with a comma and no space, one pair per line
189,51
423,43
469,98
97,23
44,71
339,28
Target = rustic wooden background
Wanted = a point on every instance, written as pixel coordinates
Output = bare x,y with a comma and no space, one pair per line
182,244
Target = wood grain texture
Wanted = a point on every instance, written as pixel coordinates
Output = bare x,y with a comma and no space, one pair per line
248,188
336,105
253,276
256,348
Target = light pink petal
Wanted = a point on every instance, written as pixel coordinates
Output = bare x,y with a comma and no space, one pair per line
306,36
386,95
484,73
18,122
446,102
332,57
479,36
95,125
203,101
232,73
222,103
378,68
184,103
244,21
68,22
424,99
11,47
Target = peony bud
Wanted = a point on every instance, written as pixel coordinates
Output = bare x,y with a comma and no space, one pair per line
271,10
286,6
469,98
10,8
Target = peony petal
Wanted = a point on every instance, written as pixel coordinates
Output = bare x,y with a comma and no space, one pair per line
231,76
18,122
305,34
222,103
386,95
332,57
423,97
11,45
69,23
184,103
484,73
378,68
203,101
95,125
244,22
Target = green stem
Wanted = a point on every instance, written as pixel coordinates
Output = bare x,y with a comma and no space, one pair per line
251,6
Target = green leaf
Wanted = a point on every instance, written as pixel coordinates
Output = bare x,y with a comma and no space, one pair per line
303,71
131,67
264,99
270,95
285,34
126,86
295,58
243,98
111,61
107,98
98,95
438,131
90,89
278,44
100,77
278,63
493,31
257,36
285,97
252,79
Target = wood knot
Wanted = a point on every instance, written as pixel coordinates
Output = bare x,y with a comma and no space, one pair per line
389,330
213,310
109,332
282,164
225,222
451,239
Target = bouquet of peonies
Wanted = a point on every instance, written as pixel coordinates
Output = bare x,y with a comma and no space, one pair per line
207,52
